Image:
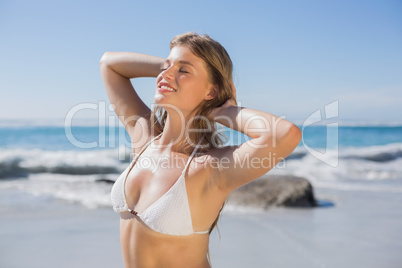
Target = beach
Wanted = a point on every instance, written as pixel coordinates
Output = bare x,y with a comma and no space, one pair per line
46,232
360,229
77,77
352,229
55,208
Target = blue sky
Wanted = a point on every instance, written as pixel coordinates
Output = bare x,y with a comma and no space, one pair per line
291,58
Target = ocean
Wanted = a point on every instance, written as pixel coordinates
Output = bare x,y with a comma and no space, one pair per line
77,164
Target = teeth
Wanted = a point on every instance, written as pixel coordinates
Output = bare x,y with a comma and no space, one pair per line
168,88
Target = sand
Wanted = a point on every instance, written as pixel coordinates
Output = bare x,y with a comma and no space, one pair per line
361,229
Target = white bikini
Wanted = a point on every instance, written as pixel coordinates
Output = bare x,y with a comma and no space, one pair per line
170,214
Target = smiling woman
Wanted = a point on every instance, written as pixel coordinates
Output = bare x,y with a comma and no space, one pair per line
168,212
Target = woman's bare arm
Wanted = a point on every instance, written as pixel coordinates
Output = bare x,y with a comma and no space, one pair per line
116,69
272,139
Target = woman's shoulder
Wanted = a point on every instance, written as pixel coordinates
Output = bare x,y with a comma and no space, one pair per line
217,153
206,167
213,159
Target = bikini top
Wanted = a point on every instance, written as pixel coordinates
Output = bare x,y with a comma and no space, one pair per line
170,214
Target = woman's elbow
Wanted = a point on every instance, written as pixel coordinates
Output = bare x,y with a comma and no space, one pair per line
294,136
104,58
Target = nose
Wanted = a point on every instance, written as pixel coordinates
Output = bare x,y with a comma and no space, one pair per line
167,74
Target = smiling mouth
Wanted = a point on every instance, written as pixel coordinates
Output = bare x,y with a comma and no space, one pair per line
163,86
168,88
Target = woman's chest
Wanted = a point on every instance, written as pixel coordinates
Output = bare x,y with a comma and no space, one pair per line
150,179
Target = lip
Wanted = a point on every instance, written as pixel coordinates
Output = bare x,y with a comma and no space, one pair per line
162,90
161,84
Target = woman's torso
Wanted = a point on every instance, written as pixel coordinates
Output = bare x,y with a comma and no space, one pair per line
153,175
143,247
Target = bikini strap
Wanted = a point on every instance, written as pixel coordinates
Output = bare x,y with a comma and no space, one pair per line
145,146
193,153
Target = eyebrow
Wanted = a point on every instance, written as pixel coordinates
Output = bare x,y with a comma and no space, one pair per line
186,62
182,62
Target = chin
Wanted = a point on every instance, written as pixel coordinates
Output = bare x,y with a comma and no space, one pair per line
167,105
159,99
163,102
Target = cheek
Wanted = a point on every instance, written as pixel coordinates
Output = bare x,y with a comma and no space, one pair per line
194,92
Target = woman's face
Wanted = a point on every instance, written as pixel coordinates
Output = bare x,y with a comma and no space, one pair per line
184,82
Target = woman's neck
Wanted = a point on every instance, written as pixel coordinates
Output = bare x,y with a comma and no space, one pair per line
175,134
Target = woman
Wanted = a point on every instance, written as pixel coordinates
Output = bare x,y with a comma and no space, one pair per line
170,196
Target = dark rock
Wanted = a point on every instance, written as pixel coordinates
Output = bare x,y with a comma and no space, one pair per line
108,181
10,168
275,190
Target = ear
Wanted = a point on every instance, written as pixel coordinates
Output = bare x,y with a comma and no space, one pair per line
213,92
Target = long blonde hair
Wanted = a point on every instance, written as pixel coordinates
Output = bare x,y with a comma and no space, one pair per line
220,68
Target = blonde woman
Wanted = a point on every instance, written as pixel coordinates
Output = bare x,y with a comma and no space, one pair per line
170,196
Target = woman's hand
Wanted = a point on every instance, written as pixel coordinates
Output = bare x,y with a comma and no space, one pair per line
229,103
